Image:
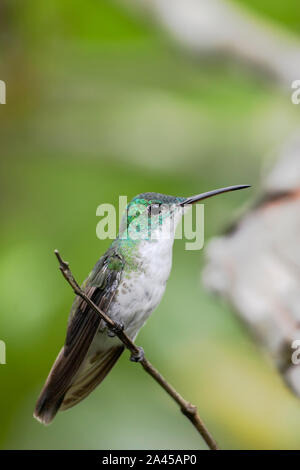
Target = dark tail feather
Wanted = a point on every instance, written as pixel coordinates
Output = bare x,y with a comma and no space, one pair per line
50,399
46,408
66,366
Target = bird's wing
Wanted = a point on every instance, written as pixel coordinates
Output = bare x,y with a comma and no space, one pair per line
94,369
83,324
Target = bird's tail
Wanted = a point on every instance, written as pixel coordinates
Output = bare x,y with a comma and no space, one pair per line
62,393
51,395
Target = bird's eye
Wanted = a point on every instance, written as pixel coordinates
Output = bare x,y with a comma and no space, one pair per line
154,209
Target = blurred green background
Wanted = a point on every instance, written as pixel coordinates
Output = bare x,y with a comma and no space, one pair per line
100,103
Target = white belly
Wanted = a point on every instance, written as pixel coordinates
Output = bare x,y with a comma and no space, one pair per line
141,291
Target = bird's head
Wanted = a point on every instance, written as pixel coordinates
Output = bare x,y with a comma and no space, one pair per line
152,216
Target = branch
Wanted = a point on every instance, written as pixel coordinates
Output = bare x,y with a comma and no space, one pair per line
262,266
189,410
221,27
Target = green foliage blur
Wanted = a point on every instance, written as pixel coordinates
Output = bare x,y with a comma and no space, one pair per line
100,103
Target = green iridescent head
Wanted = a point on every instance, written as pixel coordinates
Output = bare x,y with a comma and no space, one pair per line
148,214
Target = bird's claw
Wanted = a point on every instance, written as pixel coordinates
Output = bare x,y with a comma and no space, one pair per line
118,328
139,356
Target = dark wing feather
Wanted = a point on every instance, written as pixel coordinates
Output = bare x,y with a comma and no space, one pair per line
83,325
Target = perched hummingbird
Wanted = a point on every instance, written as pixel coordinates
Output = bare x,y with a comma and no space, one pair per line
127,283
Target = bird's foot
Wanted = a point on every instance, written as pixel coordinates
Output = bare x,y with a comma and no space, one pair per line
118,328
138,356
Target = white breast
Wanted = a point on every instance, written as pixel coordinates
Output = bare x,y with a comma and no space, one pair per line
141,291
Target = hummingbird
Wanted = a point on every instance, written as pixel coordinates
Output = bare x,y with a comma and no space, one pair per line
127,283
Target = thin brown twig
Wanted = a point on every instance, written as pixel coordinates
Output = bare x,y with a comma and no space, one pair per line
189,410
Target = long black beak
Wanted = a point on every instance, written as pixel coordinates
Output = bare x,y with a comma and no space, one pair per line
200,197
